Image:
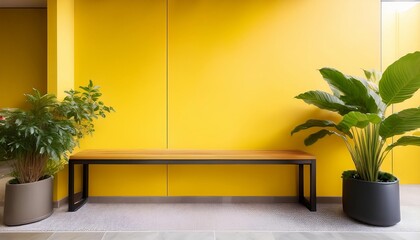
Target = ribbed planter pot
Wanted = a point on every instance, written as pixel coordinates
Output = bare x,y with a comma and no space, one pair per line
28,202
374,203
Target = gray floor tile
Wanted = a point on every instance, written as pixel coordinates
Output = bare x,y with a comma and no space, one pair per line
287,217
407,235
159,235
188,235
77,236
133,236
345,236
379,236
304,236
244,236
25,236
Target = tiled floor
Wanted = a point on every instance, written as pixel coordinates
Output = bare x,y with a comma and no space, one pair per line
185,217
216,222
210,236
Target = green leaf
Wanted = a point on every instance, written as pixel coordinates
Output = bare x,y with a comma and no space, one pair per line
313,123
54,155
378,100
359,120
38,140
336,80
401,79
87,89
18,122
373,92
350,90
368,74
401,122
313,138
326,101
372,75
405,141
318,123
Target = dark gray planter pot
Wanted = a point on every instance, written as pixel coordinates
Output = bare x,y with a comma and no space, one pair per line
28,202
374,203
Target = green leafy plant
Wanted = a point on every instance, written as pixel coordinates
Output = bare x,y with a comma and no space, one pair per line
38,141
382,176
362,103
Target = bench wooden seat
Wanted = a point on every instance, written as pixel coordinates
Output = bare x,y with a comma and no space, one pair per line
166,156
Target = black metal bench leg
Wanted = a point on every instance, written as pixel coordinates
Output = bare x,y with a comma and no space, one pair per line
71,188
73,205
85,181
301,183
311,203
312,198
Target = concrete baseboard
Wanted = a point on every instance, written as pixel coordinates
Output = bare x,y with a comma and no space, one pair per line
60,203
195,199
192,199
329,200
65,200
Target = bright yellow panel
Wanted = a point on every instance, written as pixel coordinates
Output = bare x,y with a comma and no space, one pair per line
65,46
235,67
232,180
127,180
121,46
401,35
23,54
60,65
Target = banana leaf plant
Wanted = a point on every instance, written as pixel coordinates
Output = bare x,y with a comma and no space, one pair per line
362,103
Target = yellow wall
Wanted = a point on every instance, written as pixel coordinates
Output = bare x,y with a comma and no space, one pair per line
23,54
121,46
60,64
401,35
60,46
233,70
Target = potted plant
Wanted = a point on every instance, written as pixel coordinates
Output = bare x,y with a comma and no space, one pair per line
369,196
37,142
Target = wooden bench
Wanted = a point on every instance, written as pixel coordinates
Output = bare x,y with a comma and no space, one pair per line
163,157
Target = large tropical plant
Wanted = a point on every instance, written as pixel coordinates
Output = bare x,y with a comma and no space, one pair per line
362,103
38,141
